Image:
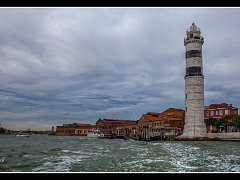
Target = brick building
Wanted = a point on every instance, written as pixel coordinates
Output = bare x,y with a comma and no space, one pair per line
218,111
78,129
157,125
171,117
110,125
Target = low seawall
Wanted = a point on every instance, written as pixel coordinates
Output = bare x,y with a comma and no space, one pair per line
235,136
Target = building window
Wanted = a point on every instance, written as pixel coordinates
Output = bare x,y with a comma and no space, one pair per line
191,35
207,113
185,96
226,112
220,112
216,113
212,113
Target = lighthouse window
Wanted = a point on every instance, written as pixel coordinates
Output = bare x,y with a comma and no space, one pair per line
193,53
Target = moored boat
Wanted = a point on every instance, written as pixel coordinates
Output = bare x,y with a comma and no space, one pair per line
93,134
21,134
105,135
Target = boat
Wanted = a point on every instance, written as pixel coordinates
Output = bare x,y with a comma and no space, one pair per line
93,134
105,135
21,134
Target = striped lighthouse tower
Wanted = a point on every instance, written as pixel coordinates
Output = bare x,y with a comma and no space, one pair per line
194,85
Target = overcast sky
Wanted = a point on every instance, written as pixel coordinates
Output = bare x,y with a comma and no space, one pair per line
65,65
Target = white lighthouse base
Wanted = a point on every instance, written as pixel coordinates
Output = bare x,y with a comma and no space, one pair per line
194,131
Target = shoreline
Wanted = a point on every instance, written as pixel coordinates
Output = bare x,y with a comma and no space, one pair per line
206,139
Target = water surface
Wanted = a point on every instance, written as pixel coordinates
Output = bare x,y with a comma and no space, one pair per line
43,153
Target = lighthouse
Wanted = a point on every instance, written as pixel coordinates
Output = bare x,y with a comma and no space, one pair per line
194,85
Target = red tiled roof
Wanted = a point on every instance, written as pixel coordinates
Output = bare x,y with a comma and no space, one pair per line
153,113
118,120
81,124
169,114
172,114
149,117
172,110
222,105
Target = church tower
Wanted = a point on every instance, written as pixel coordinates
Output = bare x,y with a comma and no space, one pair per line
194,85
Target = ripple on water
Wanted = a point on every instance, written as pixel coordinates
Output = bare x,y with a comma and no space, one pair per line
55,149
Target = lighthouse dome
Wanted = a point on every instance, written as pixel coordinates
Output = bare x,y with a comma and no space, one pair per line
193,27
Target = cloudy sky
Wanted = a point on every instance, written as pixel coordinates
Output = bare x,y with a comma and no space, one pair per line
65,65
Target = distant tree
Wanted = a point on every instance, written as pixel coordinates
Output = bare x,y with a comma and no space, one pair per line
231,124
222,122
231,120
238,124
231,117
228,120
2,130
211,121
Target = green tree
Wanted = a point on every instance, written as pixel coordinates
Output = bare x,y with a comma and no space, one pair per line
231,117
2,130
211,121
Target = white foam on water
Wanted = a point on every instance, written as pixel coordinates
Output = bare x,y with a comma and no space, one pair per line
155,156
66,151
125,148
142,164
79,152
61,163
192,158
2,160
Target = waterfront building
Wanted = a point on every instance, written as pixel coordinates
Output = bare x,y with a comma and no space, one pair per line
78,129
222,111
149,126
127,131
194,84
110,125
217,111
172,117
161,125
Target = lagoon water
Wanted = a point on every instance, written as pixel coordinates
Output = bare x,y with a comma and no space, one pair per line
43,153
